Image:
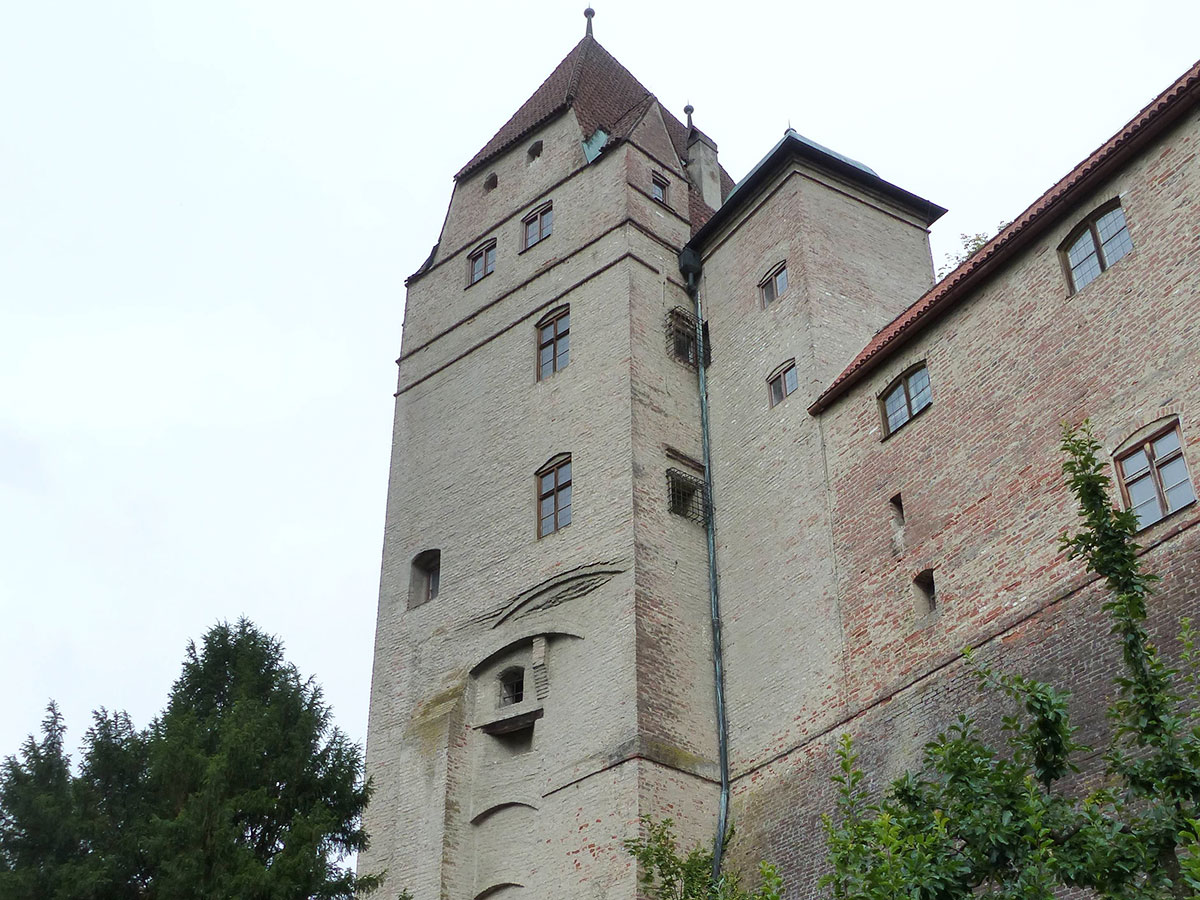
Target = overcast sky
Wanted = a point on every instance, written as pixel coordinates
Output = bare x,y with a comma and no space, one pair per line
207,211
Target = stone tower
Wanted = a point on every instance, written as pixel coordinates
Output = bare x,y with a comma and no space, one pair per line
544,658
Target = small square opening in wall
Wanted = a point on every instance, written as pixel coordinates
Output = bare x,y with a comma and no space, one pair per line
686,496
924,593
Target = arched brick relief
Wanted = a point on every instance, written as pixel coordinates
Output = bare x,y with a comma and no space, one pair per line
501,891
495,808
560,589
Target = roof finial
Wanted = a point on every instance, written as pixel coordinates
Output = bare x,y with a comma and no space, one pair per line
687,111
587,14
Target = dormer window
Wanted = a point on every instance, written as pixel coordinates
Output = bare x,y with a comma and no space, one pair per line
1095,244
481,262
772,287
904,398
537,226
658,188
512,686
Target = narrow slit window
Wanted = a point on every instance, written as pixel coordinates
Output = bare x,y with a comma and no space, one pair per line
425,578
925,593
896,505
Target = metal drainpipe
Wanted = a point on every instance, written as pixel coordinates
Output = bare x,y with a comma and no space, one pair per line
689,265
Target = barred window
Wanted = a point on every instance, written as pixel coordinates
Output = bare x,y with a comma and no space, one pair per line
1095,244
1154,477
681,336
554,342
904,398
686,496
554,495
512,686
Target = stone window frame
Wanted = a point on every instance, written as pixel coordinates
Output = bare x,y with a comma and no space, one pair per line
902,383
1106,252
1157,459
485,256
779,378
769,288
558,469
558,321
543,218
660,188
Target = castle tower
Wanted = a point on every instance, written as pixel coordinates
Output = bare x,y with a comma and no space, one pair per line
544,670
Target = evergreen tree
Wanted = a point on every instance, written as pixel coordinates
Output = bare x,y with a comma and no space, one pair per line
243,788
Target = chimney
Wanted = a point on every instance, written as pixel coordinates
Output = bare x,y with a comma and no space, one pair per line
703,170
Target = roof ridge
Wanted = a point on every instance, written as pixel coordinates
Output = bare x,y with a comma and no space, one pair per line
573,81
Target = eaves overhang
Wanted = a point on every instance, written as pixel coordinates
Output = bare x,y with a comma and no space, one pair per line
794,145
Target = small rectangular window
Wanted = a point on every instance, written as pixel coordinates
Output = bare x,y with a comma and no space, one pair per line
481,262
425,578
537,226
924,593
512,687
682,344
782,383
658,188
1154,477
686,496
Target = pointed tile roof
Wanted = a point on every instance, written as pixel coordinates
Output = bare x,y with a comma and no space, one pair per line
603,93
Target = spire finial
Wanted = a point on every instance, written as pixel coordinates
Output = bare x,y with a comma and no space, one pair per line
588,14
687,111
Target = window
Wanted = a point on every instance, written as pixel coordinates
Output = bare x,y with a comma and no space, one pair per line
681,336
658,188
535,150
512,686
1095,245
924,593
782,382
425,578
1154,477
537,226
773,286
905,397
554,495
686,496
481,262
554,342
489,183
897,507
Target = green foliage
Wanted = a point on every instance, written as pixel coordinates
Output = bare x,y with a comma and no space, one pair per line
668,874
969,245
242,788
978,823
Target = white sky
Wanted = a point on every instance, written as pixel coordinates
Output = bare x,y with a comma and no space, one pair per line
207,211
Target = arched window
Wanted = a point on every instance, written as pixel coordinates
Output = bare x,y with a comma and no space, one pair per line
425,578
774,283
1095,244
481,261
554,342
905,397
1153,474
512,686
554,495
782,382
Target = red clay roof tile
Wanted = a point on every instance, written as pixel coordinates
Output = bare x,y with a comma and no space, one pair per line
1041,215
